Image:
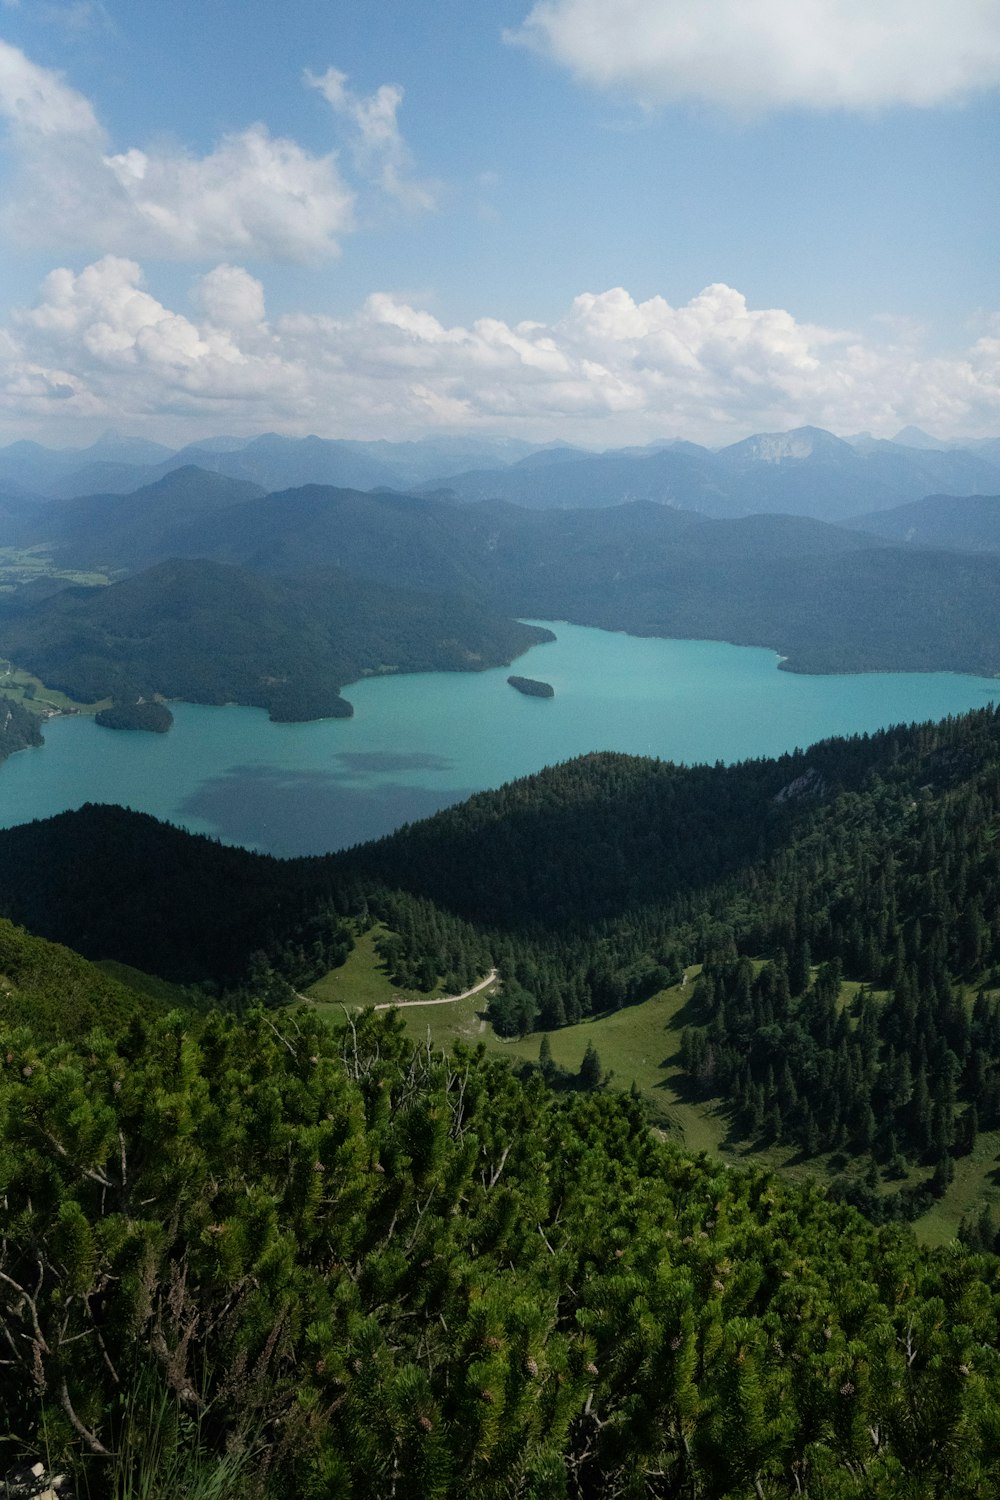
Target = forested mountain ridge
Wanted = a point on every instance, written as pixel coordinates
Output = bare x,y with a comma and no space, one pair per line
210,633
812,592
968,523
115,532
18,728
594,884
116,884
875,859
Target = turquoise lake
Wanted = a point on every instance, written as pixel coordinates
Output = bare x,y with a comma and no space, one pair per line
417,743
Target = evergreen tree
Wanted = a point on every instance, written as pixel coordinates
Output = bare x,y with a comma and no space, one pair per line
590,1074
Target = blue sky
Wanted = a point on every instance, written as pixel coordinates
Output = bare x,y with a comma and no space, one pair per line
601,220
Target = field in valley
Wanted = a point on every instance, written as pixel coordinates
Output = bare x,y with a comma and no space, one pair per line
639,1046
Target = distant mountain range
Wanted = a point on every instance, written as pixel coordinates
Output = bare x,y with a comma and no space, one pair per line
231,589
114,465
828,598
803,472
806,472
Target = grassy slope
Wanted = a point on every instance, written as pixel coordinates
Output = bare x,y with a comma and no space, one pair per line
164,994
59,993
20,565
641,1045
362,980
32,693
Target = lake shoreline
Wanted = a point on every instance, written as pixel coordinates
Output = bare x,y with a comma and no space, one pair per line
421,741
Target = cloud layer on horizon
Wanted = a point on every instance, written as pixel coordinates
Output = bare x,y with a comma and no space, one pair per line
762,55
98,347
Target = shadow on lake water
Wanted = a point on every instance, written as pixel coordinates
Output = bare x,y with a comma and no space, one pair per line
291,812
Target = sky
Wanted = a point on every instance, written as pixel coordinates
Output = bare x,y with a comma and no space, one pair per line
605,222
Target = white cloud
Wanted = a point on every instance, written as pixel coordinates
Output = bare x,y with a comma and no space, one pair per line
760,55
379,149
106,344
230,297
253,195
37,101
612,370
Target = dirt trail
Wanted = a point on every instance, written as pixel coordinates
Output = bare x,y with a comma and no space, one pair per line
443,1000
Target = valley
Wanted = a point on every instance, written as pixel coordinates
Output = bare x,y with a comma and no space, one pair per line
499,750
718,920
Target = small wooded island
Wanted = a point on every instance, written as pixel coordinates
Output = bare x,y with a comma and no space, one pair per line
532,687
145,714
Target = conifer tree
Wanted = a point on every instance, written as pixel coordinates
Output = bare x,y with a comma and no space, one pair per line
590,1072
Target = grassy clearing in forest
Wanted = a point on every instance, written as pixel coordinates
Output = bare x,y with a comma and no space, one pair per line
33,695
19,565
640,1045
362,980
977,1181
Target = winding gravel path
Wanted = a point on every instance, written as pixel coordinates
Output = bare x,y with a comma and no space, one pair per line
443,1000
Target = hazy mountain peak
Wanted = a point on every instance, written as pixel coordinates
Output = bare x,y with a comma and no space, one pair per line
113,446
915,437
777,447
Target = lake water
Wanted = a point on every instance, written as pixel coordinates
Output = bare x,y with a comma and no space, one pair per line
417,743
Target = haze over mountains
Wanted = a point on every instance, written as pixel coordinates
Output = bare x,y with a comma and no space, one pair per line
669,541
805,472
119,465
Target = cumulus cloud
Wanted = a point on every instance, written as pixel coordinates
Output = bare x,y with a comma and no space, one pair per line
229,297
38,101
379,149
254,194
611,370
105,344
760,55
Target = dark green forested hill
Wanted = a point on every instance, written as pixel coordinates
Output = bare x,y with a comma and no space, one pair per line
111,531
814,592
116,884
18,728
211,633
873,860
592,885
253,1259
969,523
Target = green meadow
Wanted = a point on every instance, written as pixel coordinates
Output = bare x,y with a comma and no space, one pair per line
639,1049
